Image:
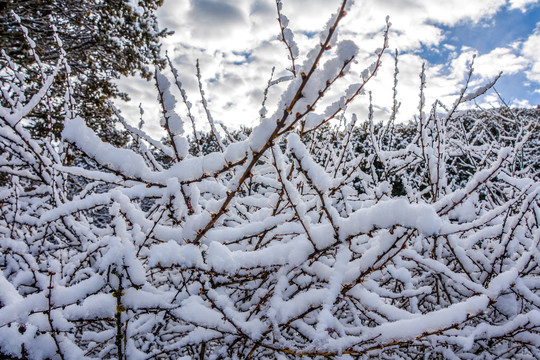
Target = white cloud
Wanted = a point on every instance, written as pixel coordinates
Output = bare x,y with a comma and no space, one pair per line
531,50
215,20
500,59
452,12
522,103
488,65
521,4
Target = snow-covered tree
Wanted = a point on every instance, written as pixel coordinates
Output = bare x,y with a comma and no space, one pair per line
287,243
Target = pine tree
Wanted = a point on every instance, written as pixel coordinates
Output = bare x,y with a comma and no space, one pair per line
103,40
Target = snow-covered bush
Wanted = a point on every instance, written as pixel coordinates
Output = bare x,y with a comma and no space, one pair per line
281,245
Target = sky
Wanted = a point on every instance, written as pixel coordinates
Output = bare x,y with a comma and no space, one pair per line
237,44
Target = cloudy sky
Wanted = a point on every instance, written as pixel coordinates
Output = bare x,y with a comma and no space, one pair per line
236,42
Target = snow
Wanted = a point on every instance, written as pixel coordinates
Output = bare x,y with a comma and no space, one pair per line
9,294
261,134
346,50
315,172
123,160
374,302
221,259
132,165
93,306
406,329
193,310
387,214
171,253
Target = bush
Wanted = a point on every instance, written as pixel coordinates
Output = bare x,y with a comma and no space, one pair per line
281,244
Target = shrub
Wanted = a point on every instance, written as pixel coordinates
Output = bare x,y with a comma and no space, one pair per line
279,245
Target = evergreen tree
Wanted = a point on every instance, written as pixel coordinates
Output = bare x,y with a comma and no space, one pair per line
103,39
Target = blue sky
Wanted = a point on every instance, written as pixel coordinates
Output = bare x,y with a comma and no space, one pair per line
508,26
237,46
